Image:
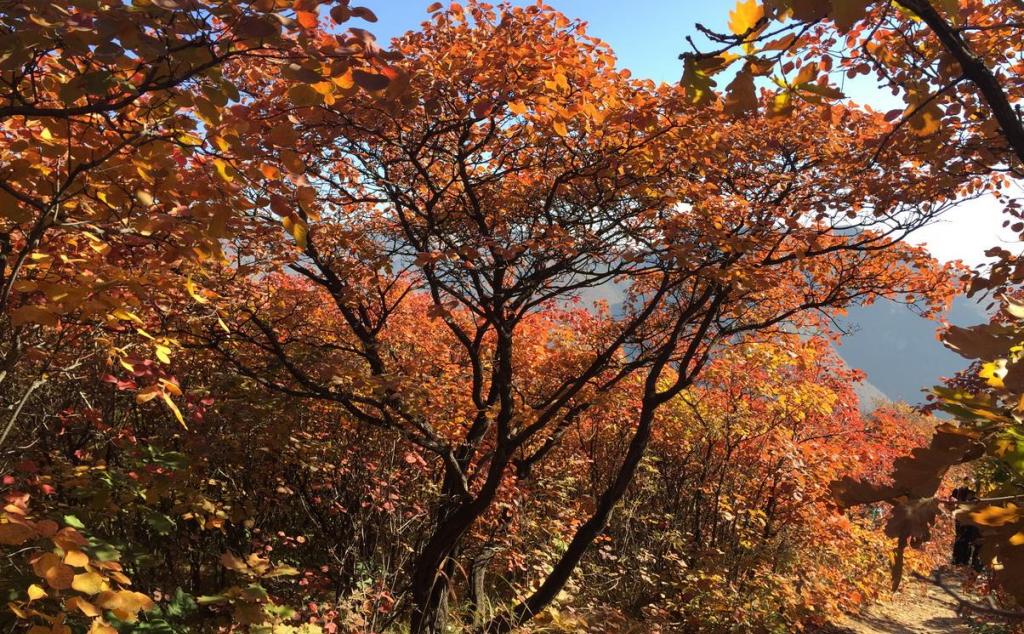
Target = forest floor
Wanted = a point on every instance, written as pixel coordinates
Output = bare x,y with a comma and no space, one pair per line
920,607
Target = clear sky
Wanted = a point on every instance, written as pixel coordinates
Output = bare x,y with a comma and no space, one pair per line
647,37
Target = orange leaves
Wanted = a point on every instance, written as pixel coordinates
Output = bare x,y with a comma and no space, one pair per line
74,594
163,389
81,605
89,583
558,82
76,559
997,515
125,604
57,574
307,19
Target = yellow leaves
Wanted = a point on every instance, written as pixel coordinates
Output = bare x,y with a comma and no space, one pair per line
997,515
744,18
224,170
222,144
145,198
994,372
174,409
233,562
126,315
76,558
782,104
163,353
164,390
1012,308
697,79
188,139
297,227
255,566
560,128
89,583
99,627
923,114
125,604
35,592
190,286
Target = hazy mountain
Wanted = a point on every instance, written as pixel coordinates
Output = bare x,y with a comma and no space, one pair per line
899,351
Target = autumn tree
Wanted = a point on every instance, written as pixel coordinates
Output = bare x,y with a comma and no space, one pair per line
519,170
729,524
104,109
955,64
957,67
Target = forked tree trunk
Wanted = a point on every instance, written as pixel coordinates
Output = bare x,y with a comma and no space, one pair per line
585,535
433,569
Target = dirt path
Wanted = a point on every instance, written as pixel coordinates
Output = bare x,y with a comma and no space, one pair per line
919,608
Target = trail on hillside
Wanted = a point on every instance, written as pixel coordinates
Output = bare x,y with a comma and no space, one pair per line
920,607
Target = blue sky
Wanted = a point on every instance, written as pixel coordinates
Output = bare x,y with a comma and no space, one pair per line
647,35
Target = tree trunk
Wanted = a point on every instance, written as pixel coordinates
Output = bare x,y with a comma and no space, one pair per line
435,565
585,535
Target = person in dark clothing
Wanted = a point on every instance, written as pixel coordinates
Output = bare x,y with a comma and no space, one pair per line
966,543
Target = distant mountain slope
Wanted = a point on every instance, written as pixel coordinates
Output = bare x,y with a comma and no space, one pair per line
870,397
898,350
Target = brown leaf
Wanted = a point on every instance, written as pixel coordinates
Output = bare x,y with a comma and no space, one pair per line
12,534
741,95
371,82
